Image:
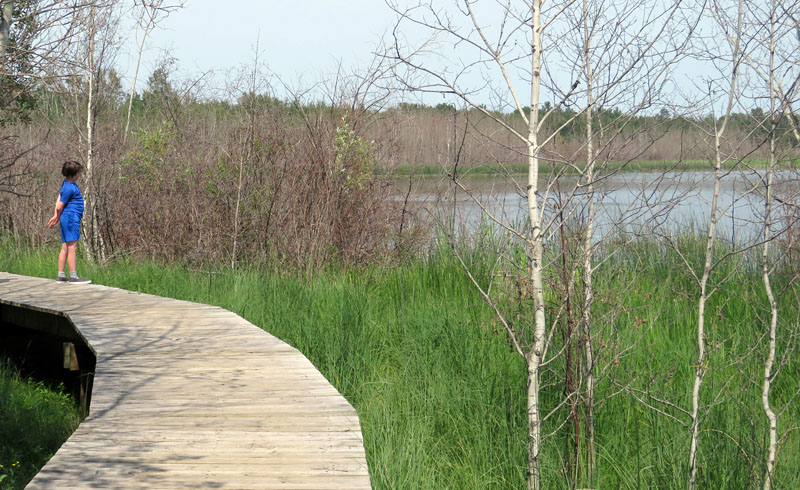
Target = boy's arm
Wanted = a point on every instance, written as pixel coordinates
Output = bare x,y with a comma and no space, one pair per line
57,213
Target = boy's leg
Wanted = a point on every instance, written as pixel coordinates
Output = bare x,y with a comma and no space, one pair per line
72,248
62,261
62,257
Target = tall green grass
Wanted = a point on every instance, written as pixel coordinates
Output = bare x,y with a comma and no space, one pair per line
441,394
34,421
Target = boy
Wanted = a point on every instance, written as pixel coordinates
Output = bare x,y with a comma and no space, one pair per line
69,211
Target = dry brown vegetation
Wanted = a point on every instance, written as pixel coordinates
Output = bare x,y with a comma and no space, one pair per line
223,183
297,187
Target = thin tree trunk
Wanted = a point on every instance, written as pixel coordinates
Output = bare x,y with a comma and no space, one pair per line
135,74
90,249
236,213
95,245
701,368
535,246
773,325
588,361
772,418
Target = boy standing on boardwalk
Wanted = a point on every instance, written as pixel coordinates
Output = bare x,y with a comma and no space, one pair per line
69,211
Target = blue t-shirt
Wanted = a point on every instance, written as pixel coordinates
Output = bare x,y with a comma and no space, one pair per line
72,197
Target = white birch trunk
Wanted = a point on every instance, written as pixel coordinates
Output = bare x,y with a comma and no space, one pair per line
772,418
96,245
535,248
90,141
701,367
588,354
586,320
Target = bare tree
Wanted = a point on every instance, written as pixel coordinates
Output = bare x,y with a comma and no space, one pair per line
727,52
701,366
497,44
35,39
765,266
249,103
774,69
47,29
94,53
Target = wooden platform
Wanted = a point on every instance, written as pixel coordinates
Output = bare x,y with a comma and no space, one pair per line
193,396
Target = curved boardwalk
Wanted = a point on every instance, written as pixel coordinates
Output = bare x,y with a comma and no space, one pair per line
193,396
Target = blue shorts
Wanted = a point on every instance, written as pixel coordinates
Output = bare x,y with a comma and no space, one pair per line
70,227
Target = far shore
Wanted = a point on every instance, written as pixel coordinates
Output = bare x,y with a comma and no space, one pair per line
551,168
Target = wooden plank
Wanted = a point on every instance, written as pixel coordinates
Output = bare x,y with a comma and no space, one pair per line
283,439
189,395
150,482
130,466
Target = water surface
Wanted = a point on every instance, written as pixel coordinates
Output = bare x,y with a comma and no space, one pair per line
671,202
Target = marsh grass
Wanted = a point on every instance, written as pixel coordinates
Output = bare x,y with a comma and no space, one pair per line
34,421
441,394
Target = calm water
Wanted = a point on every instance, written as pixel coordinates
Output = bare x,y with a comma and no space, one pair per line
671,202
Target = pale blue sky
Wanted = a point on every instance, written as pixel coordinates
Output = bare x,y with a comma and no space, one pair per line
300,41
301,38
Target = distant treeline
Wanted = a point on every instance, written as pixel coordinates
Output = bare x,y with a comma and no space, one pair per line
417,134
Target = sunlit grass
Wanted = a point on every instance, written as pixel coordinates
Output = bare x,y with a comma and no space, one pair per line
34,421
441,394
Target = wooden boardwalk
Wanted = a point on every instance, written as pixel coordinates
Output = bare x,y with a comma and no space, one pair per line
193,396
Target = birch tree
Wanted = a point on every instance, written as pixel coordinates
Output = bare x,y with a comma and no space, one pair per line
772,418
776,68
727,86
473,33
94,54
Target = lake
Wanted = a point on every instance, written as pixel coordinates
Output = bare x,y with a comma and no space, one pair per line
671,202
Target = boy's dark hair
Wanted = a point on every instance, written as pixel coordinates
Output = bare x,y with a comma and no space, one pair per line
71,168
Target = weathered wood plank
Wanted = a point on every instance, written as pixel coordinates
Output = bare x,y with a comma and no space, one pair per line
344,482
192,396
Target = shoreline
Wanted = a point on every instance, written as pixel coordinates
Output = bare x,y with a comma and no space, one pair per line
547,168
